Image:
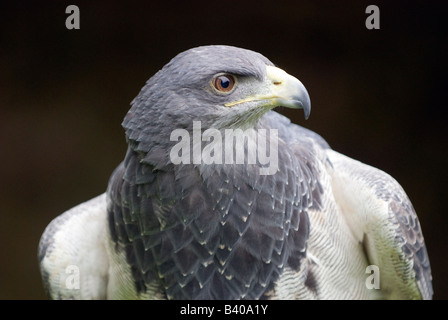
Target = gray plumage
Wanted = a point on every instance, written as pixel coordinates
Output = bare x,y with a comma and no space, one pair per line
224,231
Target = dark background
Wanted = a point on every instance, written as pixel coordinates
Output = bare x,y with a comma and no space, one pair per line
377,95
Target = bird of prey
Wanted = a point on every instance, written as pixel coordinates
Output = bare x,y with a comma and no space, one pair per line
195,212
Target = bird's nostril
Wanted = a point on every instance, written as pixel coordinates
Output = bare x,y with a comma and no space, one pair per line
277,83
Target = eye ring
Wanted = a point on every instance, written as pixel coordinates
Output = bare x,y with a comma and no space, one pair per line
224,83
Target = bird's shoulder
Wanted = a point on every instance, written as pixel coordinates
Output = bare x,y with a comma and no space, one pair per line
71,245
383,219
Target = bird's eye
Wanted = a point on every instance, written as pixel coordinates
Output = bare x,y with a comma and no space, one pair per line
224,83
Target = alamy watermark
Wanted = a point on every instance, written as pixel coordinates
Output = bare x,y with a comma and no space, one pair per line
72,21
228,146
373,20
373,280
72,279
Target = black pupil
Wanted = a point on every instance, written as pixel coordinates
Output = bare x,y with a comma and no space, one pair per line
225,82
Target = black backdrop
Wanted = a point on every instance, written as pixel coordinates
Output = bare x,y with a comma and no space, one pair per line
377,95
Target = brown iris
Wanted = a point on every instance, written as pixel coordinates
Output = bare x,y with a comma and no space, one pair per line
224,82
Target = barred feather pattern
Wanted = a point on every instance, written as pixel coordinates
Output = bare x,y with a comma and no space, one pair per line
222,234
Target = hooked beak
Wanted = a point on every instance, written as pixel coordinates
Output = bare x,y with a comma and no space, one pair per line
282,90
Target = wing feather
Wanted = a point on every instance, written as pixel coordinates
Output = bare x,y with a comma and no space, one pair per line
72,255
382,217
